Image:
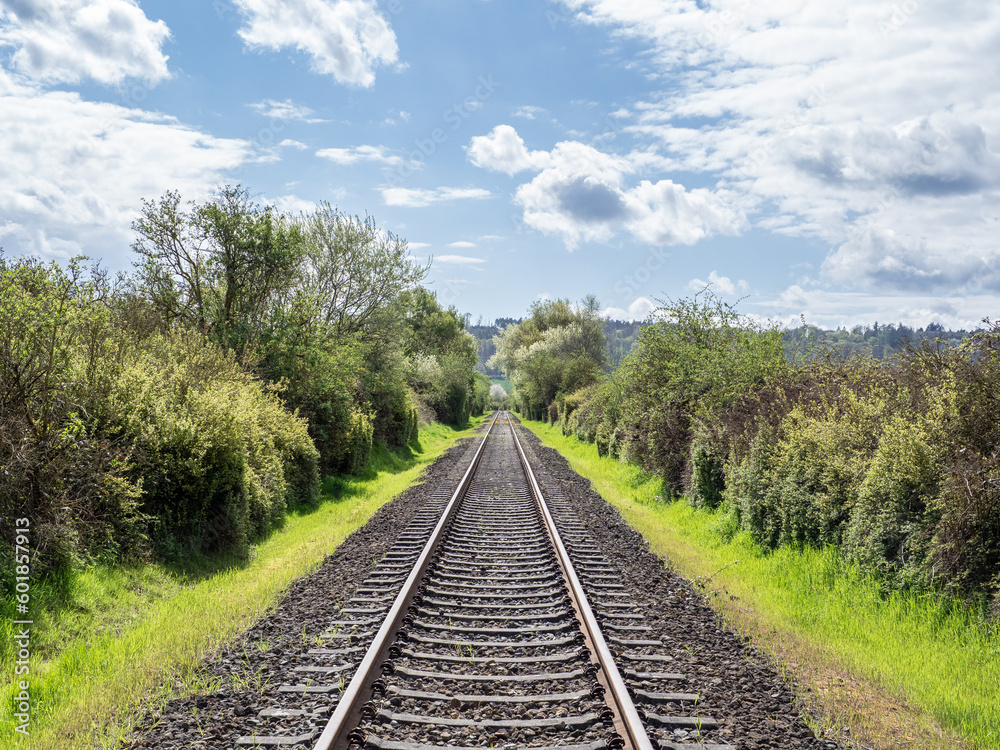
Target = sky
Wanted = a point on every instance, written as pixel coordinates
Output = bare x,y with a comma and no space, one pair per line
832,162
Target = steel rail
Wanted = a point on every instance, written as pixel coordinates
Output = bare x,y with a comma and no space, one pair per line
358,691
627,720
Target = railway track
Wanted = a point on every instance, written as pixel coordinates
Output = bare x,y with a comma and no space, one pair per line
495,620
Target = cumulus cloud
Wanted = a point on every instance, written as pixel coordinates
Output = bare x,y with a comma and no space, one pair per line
69,41
355,154
581,194
461,244
638,310
73,173
503,150
721,284
346,39
415,198
857,124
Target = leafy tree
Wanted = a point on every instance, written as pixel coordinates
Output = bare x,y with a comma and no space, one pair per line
354,270
558,349
443,357
220,266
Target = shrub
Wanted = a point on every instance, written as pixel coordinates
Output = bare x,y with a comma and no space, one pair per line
708,480
70,480
888,530
219,458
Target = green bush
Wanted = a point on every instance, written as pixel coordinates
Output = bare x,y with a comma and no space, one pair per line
56,468
359,443
708,479
891,522
219,459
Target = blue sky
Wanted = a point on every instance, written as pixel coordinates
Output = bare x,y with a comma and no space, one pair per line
832,161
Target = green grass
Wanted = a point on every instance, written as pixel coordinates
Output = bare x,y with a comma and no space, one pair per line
107,639
936,662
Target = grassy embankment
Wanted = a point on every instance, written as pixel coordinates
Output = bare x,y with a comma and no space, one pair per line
902,671
110,638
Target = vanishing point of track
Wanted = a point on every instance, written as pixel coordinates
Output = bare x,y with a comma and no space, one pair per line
475,630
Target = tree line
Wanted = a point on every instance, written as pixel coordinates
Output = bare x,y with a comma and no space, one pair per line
893,460
184,407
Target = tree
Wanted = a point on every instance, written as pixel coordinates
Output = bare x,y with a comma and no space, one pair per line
443,357
354,269
558,349
221,266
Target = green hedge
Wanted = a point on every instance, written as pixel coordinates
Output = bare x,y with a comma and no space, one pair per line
219,459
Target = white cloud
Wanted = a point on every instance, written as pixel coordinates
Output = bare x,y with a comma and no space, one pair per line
461,244
73,172
460,260
292,204
356,154
284,110
581,194
831,309
343,38
528,112
638,310
721,284
289,143
503,150
856,124
397,196
665,213
417,245
68,41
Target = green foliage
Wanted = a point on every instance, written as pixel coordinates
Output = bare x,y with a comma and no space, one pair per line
56,468
442,359
558,349
184,409
893,462
220,266
696,359
354,270
219,459
708,480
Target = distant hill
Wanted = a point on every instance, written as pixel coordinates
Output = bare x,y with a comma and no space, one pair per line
878,340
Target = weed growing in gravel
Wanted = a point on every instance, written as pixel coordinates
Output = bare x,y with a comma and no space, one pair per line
249,680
